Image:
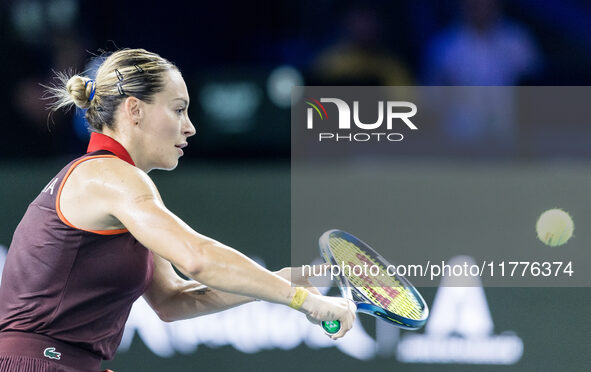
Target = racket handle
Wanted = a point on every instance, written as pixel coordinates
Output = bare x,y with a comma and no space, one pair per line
332,326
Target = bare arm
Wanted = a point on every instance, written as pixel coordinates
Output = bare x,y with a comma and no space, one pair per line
126,195
136,203
174,298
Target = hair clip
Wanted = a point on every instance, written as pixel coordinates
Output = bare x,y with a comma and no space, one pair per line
119,75
92,88
120,89
138,68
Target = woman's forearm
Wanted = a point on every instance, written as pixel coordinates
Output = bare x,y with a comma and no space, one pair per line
230,271
195,299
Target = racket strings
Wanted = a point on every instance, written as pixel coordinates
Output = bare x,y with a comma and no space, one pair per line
383,289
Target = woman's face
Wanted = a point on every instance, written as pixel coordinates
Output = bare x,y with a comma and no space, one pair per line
165,125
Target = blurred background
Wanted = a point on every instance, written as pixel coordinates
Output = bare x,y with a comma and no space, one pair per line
240,61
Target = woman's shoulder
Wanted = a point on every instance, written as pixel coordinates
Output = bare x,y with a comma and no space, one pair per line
107,173
98,187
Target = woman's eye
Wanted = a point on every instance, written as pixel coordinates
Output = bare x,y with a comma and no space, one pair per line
180,110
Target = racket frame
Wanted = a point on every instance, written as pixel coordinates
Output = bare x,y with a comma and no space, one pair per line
365,304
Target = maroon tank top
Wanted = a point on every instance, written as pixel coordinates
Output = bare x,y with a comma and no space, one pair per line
73,285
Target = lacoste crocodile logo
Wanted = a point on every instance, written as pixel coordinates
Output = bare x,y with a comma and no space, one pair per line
51,353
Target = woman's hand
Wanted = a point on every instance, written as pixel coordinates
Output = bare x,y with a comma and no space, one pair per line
320,308
317,307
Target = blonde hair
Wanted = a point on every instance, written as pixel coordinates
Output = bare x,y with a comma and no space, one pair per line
124,73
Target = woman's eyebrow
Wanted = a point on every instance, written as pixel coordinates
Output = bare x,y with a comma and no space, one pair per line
186,102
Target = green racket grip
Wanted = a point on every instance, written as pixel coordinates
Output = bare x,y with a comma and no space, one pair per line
332,326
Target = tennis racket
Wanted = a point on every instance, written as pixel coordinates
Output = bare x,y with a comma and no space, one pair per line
390,297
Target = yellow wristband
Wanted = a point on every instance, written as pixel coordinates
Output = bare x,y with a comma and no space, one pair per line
298,298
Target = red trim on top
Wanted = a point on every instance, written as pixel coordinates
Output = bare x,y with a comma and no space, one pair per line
99,141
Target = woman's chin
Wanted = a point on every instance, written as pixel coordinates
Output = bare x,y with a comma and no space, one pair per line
168,165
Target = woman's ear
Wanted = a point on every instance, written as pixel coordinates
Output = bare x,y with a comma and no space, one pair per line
134,109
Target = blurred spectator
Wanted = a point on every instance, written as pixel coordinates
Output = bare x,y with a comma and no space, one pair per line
360,57
40,36
482,49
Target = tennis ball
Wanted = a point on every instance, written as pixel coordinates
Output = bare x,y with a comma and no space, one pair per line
554,227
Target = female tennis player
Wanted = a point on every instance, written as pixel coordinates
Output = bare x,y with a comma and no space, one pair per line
98,236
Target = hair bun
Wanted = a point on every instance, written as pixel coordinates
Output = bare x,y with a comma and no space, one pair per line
79,91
